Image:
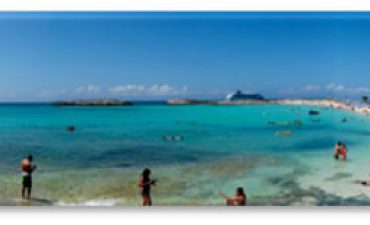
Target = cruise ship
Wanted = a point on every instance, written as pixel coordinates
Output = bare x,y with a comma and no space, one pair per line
240,96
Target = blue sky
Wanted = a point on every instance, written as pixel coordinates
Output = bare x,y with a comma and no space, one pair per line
52,56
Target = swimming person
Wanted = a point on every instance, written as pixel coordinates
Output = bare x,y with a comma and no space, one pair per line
172,138
363,182
27,170
340,150
71,128
145,184
240,199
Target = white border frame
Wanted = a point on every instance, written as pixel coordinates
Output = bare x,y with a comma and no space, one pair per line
184,215
184,5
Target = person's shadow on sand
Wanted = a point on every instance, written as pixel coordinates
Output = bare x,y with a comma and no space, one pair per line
37,202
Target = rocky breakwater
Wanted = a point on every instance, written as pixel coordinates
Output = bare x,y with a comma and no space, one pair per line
190,102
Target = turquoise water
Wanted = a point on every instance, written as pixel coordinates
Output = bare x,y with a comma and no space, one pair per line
224,147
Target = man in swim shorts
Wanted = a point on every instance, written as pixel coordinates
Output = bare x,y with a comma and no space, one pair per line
27,170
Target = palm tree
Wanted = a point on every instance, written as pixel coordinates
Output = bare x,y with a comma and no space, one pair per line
365,99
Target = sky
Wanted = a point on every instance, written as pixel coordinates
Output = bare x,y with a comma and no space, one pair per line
158,55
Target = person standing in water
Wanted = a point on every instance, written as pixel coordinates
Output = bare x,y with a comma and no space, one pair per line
145,184
340,150
240,199
27,169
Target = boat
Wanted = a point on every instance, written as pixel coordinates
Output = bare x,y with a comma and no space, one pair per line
240,96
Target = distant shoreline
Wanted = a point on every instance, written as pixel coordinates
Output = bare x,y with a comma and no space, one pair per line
330,103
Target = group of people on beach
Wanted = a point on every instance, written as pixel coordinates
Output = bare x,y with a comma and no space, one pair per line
145,184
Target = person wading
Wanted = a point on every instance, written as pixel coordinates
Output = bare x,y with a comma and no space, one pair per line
145,184
27,169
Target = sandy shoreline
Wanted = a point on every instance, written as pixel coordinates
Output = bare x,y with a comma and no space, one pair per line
337,104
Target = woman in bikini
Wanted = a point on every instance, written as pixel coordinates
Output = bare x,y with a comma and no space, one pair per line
145,184
240,199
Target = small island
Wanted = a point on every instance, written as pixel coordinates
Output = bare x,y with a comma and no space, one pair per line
94,102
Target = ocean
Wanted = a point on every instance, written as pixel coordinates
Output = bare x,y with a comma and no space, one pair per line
217,148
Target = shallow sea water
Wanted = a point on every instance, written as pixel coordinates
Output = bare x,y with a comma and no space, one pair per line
224,147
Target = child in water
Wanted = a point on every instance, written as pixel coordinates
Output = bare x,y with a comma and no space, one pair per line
340,150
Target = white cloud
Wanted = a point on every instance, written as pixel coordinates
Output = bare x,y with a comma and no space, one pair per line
160,89
335,87
312,87
153,90
114,91
89,89
339,88
184,90
362,90
128,89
